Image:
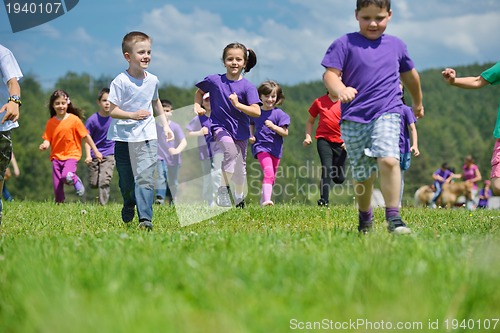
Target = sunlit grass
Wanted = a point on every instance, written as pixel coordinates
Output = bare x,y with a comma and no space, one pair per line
78,268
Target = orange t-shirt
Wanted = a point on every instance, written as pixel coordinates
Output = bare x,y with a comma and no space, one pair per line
65,137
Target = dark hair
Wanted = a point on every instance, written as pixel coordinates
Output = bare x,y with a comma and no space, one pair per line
444,166
166,102
248,54
102,92
71,109
268,87
132,38
379,3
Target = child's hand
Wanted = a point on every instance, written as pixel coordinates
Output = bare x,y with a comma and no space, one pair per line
44,145
234,99
415,150
418,111
449,75
98,155
88,160
204,130
251,140
307,141
169,135
200,111
172,151
269,124
347,94
140,115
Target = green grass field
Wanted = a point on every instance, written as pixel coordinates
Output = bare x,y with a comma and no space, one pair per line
280,269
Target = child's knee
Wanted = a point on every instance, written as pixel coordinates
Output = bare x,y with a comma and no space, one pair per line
388,162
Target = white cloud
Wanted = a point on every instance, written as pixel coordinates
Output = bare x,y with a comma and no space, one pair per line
289,37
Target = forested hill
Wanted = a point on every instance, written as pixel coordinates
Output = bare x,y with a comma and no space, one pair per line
457,122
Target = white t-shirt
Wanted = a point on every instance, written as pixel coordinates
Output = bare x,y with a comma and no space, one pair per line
8,70
131,95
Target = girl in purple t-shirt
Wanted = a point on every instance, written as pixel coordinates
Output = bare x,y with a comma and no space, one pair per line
267,140
233,99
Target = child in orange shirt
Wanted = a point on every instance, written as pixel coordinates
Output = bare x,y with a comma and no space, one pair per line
64,132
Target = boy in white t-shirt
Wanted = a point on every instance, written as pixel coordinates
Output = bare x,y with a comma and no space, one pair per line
133,96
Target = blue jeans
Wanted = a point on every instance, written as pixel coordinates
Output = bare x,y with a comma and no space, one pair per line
167,181
439,189
136,164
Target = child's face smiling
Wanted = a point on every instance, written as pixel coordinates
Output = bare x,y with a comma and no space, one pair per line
60,105
373,21
140,56
235,63
269,101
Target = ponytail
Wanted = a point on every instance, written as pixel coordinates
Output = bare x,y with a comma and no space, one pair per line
249,54
251,60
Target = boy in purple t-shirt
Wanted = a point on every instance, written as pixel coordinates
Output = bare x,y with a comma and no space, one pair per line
169,158
101,172
363,69
267,138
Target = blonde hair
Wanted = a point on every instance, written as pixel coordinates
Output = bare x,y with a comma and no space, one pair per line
131,38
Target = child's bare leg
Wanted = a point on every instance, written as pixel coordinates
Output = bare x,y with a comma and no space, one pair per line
363,191
495,186
390,180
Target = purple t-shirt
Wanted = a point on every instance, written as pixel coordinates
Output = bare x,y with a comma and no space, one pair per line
163,145
223,113
407,118
443,173
98,126
373,68
204,141
267,140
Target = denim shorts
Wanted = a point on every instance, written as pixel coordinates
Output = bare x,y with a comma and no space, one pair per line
367,142
405,161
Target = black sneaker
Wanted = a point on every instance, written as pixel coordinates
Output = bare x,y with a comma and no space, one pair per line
322,202
147,225
241,203
365,227
223,198
397,226
128,214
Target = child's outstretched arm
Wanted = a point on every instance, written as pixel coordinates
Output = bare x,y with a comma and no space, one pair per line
88,140
158,108
309,128
411,81
469,82
414,140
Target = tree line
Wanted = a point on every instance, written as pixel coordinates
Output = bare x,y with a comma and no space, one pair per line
457,123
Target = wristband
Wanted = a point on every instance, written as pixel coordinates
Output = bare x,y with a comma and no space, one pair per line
16,99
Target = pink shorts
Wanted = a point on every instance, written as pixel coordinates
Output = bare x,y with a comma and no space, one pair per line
495,161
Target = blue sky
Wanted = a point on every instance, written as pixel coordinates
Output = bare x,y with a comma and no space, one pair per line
289,36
